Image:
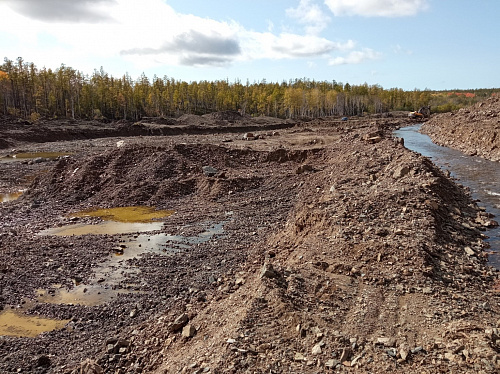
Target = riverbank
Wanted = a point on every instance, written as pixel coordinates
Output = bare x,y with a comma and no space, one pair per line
474,130
325,246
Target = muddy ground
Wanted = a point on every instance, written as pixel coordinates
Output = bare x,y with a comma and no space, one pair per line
340,251
473,130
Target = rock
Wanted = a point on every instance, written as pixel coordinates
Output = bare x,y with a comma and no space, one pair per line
469,251
268,271
404,353
346,354
188,331
249,136
179,322
400,172
120,143
330,364
90,367
387,342
316,350
303,168
133,313
299,357
209,171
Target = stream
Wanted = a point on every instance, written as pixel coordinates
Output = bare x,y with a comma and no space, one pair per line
480,175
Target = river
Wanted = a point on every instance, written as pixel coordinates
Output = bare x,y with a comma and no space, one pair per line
480,175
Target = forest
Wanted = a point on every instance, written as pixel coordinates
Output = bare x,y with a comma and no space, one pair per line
32,93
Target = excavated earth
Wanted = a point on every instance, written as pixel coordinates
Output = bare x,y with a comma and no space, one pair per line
473,130
340,251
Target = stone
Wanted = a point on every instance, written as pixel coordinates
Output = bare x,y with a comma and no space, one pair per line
400,172
209,171
304,168
249,136
188,331
346,354
330,364
90,367
179,322
316,350
386,342
299,357
268,271
404,354
469,251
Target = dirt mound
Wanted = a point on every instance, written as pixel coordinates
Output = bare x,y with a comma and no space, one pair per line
228,115
474,130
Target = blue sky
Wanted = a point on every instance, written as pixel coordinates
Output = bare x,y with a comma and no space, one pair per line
435,44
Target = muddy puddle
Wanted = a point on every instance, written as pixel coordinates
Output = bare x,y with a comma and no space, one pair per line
17,157
5,197
480,175
133,239
116,221
15,323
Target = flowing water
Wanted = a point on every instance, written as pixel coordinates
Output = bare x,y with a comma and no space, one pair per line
480,175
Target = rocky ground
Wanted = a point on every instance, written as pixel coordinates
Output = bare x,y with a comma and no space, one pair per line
474,130
340,251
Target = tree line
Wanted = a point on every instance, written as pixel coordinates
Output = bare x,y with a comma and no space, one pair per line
29,92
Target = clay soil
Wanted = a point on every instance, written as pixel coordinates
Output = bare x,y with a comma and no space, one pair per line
341,251
474,130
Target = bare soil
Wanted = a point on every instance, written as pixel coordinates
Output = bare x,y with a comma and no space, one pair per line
341,251
474,130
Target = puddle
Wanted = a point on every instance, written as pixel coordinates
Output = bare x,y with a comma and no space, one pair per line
108,278
15,323
120,220
126,214
103,228
4,197
31,156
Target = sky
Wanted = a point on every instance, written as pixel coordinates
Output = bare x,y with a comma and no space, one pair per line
409,44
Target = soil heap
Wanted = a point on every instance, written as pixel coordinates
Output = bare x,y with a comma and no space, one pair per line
474,130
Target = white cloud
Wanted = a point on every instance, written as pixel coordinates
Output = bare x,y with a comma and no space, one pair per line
377,8
397,49
356,57
148,35
309,14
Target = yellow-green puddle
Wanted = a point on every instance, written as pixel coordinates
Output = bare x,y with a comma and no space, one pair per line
14,323
4,197
119,220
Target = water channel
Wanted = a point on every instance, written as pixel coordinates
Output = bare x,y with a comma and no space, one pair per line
480,175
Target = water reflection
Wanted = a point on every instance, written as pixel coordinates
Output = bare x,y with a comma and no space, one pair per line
480,175
31,156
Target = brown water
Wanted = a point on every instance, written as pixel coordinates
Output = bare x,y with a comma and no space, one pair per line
15,323
116,221
4,197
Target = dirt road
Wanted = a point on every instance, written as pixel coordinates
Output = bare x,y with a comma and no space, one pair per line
319,246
